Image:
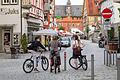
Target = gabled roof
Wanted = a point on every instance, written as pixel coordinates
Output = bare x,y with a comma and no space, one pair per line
91,8
60,10
76,10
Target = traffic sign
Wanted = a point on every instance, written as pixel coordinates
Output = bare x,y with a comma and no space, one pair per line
106,13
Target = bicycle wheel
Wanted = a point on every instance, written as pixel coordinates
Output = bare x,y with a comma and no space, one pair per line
55,69
74,62
84,63
28,66
44,63
55,64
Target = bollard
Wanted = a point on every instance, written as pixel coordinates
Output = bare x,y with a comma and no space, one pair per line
92,67
118,68
104,56
13,52
65,61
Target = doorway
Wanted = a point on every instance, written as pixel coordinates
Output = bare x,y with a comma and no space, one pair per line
6,40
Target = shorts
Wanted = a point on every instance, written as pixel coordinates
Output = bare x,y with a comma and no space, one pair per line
58,61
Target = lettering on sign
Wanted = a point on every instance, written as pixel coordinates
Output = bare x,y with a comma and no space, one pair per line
7,11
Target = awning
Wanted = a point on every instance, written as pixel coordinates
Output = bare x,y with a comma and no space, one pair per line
35,21
7,25
46,32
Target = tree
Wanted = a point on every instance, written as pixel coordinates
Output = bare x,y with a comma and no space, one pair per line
24,42
60,27
87,29
58,17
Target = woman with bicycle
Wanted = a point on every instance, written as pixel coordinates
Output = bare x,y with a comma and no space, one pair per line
78,60
77,46
54,51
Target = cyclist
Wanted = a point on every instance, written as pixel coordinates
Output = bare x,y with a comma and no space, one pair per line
34,48
54,44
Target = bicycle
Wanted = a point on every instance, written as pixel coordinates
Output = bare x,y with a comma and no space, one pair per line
28,64
77,62
56,62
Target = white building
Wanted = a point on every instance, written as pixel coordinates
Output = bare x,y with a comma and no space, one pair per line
115,19
9,23
10,20
35,20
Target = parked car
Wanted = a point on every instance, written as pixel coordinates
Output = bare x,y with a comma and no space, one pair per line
65,41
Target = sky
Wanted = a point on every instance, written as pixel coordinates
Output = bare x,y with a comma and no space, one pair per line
73,2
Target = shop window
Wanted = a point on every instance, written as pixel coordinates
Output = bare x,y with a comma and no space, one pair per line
110,33
15,39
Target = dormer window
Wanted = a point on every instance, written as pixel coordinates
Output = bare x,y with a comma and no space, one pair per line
68,10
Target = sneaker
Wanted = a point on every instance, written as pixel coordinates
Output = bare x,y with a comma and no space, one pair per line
58,69
35,69
51,70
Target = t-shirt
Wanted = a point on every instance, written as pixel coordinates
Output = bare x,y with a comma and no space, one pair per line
80,43
54,45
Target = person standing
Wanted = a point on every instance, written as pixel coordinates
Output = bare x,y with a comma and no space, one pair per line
54,46
77,46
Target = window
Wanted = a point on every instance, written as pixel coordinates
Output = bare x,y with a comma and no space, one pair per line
119,12
13,1
72,18
9,2
46,1
5,1
73,24
77,18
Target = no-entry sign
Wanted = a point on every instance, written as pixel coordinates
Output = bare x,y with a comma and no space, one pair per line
106,13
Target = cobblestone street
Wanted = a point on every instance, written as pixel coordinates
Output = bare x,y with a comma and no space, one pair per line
11,69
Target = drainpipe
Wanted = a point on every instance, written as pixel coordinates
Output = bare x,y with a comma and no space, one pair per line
21,16
119,39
